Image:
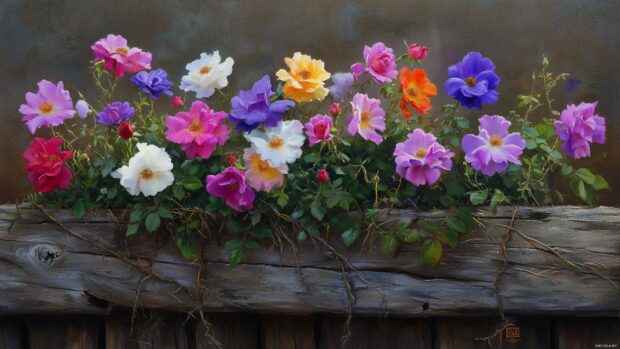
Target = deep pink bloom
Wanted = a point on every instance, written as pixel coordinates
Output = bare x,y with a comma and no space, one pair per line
334,110
177,102
318,129
50,106
493,148
198,130
420,159
322,176
367,118
231,159
125,130
45,165
417,52
117,56
379,62
230,185
578,127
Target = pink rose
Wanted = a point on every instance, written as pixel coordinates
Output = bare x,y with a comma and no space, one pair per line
417,52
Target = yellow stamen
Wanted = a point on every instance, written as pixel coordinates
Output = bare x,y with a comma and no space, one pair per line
420,153
304,75
276,143
146,174
205,70
263,165
194,127
496,142
46,108
365,120
122,51
470,81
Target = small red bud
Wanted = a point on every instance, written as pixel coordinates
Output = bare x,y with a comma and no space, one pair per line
417,52
177,102
322,176
334,110
125,130
231,160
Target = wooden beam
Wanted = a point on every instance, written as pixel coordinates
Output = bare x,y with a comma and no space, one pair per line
45,270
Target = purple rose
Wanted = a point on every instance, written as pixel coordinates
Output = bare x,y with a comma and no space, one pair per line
230,185
493,148
473,81
251,108
420,159
115,112
153,83
578,127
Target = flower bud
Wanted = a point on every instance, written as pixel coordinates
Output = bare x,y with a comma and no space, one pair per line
230,160
417,52
125,130
334,110
177,102
322,176
82,108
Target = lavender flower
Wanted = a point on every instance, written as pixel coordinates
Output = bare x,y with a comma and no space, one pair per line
115,112
251,108
50,106
153,83
493,148
342,85
420,159
578,127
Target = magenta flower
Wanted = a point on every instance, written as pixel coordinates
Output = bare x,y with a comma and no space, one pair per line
493,148
420,159
578,127
367,118
318,129
380,63
50,106
230,186
117,56
198,130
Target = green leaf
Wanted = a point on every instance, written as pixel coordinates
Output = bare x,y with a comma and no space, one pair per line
456,224
389,244
251,244
132,229
152,222
282,200
79,209
165,212
191,183
455,188
317,210
478,197
187,248
448,236
600,183
567,169
302,236
546,131
409,235
498,198
297,214
431,252
586,175
255,217
350,235
312,157
261,232
234,244
581,191
136,216
466,216
235,257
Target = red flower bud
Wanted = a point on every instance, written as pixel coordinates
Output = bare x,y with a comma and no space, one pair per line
322,176
177,102
417,52
231,159
334,110
125,130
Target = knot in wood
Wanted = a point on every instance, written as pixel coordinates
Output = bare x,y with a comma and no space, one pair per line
46,254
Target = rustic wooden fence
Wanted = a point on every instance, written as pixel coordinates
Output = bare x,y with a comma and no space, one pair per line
78,283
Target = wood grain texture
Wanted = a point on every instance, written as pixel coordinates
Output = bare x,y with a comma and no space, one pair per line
46,270
575,333
287,332
78,332
11,333
148,331
235,331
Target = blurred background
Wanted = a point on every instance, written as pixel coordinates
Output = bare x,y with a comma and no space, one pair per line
51,39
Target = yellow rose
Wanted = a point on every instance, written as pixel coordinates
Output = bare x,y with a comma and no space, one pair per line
305,81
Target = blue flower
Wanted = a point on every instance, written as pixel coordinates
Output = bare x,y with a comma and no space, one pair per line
153,83
251,108
115,112
473,81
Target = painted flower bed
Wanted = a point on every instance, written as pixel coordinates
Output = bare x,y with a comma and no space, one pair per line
288,158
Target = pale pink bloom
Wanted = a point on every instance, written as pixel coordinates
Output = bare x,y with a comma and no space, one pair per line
367,118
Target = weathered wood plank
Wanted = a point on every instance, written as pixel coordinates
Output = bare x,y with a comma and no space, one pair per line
149,330
44,269
287,332
373,332
232,330
11,333
523,333
573,333
53,332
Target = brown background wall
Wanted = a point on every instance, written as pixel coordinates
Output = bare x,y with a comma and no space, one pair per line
51,39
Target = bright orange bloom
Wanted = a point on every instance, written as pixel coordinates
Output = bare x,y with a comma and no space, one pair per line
417,89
